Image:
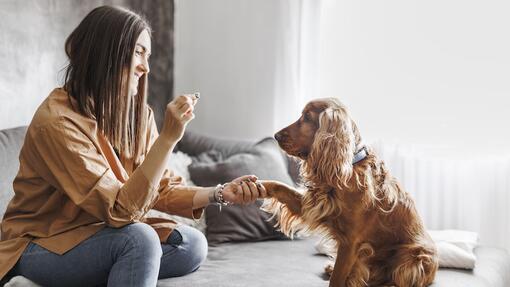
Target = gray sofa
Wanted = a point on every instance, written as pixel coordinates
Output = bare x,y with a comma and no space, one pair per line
269,262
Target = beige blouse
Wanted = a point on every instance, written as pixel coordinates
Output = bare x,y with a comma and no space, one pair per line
71,184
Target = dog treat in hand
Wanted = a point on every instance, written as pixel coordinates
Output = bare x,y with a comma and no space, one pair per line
195,98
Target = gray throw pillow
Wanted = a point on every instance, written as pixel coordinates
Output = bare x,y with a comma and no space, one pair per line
237,222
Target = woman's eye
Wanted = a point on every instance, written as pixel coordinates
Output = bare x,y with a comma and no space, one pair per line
139,53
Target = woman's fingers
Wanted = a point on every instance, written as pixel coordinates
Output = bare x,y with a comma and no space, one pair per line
250,177
186,109
179,112
250,191
262,190
239,193
246,192
253,191
183,107
247,189
231,193
181,99
190,107
184,104
190,99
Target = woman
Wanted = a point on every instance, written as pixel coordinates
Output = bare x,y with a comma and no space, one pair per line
93,164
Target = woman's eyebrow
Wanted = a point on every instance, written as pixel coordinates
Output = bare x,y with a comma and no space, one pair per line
142,46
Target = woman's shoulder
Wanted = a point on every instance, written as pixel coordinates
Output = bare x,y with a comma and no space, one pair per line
58,108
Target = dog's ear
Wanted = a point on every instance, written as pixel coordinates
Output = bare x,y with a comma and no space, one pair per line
333,148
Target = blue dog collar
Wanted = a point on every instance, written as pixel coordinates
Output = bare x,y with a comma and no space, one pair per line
360,155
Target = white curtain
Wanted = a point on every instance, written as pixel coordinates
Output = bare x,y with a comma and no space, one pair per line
452,189
297,60
451,192
431,76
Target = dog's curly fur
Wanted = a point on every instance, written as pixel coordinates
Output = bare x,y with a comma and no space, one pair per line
380,238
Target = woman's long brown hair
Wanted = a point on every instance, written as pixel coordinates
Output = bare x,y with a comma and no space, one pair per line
100,51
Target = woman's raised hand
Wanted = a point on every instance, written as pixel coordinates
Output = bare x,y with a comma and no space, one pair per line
179,112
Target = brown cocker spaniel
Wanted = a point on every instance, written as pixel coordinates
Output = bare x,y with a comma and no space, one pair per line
352,198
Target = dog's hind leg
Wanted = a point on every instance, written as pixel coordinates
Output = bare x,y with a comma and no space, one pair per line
415,267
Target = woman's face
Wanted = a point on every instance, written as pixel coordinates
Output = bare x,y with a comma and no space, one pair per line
140,61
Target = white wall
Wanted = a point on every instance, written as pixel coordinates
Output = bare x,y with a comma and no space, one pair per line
432,73
31,54
32,37
429,72
226,50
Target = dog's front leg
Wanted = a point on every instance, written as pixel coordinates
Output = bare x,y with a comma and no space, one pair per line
285,194
285,205
345,259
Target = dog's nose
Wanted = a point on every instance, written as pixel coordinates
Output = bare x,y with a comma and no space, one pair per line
278,136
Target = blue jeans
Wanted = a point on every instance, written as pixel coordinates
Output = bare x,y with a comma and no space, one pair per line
127,256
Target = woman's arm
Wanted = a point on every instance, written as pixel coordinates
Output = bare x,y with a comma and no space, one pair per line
63,154
242,190
178,114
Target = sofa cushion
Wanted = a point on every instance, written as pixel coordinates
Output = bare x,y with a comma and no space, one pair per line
295,263
195,144
236,222
268,263
11,141
492,269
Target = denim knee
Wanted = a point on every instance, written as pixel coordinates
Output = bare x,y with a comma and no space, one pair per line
143,238
185,257
195,245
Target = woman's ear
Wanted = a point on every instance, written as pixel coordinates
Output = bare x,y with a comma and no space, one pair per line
333,148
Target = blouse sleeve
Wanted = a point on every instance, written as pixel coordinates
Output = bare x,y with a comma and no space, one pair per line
72,163
174,198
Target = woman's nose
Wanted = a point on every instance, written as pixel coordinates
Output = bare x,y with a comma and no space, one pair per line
144,66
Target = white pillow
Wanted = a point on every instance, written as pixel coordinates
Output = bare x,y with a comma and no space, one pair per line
179,163
455,248
20,281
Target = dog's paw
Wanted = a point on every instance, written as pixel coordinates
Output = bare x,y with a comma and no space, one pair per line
270,186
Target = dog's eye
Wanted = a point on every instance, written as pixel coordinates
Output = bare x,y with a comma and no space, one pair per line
306,117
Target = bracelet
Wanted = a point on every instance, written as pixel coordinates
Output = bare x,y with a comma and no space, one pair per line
212,196
218,195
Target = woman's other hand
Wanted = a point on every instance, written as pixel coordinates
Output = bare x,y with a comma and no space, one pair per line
179,112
